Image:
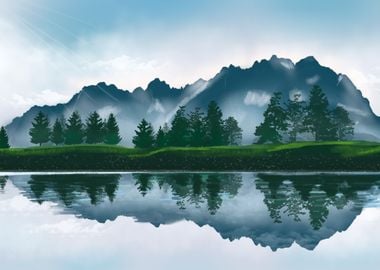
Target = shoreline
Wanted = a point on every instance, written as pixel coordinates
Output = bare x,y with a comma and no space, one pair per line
303,157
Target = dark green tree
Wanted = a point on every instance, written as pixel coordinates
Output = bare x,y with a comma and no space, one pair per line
4,143
295,111
197,128
318,118
40,131
179,132
343,125
57,134
112,135
94,129
74,133
232,131
144,135
214,125
274,124
161,138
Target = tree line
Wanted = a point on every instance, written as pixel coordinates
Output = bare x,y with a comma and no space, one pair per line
297,117
282,122
74,131
193,129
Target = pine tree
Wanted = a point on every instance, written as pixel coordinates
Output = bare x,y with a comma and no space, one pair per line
94,129
112,135
4,143
57,134
161,138
214,125
343,125
197,128
295,110
318,118
74,133
179,133
274,122
232,131
144,135
40,131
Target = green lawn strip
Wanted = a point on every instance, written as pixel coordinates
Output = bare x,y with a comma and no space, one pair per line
345,149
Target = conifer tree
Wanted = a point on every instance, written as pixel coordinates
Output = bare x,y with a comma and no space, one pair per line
94,129
232,131
179,133
144,135
214,125
57,134
4,143
295,111
112,135
343,125
40,131
161,138
318,118
270,130
197,128
74,133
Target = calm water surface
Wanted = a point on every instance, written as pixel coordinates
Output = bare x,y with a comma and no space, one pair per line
190,221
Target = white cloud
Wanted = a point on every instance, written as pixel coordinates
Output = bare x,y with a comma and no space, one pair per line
312,80
257,98
296,92
31,63
353,110
107,110
156,107
287,64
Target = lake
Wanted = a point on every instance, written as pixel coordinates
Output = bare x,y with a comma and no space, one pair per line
189,221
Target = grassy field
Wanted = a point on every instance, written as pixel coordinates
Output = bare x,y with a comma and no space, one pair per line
302,156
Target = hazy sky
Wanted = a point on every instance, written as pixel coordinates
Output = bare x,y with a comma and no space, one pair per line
49,49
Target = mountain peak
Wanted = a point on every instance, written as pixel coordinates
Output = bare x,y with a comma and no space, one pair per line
274,58
281,62
309,60
157,84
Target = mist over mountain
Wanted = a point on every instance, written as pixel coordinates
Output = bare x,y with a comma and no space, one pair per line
241,92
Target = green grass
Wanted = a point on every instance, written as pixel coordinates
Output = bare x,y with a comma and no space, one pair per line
350,155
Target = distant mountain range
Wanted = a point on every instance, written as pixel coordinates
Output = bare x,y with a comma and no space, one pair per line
241,92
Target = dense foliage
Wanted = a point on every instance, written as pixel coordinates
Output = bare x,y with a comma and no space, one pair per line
73,131
193,129
314,118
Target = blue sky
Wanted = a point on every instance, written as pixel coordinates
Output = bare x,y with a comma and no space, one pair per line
53,47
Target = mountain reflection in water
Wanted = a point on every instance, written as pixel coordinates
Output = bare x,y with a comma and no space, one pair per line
271,209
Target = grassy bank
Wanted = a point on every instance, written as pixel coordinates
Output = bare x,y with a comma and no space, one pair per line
304,156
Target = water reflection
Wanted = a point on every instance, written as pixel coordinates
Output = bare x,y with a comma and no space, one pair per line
272,210
3,182
312,195
69,189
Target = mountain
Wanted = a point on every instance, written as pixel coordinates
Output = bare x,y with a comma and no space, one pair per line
241,92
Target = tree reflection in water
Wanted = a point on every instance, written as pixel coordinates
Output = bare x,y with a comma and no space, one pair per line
271,209
298,195
70,187
191,188
3,182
